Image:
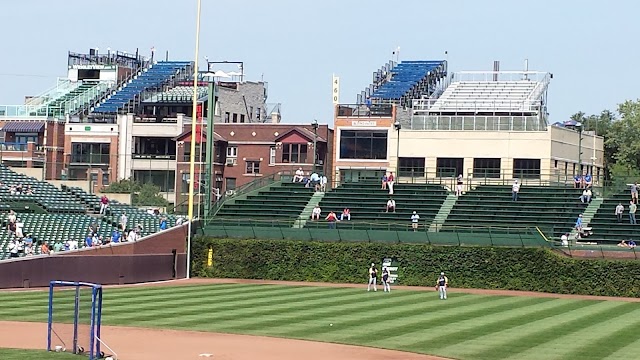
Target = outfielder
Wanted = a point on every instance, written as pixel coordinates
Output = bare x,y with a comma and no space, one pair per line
373,277
385,279
441,286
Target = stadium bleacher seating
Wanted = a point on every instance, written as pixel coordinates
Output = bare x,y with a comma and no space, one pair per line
605,226
407,79
367,204
51,214
178,94
487,96
281,204
554,209
153,77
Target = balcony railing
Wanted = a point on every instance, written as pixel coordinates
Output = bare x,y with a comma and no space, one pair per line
90,159
154,157
153,120
12,146
365,111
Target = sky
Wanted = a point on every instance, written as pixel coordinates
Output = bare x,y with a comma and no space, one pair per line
296,46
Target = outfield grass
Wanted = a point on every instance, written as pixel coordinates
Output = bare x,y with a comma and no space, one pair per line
19,354
464,327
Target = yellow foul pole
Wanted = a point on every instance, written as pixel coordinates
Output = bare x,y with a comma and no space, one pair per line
194,118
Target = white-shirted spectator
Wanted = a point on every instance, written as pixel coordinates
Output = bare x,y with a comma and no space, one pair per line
13,248
132,236
515,189
315,213
564,239
415,218
391,181
123,221
346,214
391,205
586,196
28,250
619,212
299,175
19,229
315,181
323,183
459,184
11,217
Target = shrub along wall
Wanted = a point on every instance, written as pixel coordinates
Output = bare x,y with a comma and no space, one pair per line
529,269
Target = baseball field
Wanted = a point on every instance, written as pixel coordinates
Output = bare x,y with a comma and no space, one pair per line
469,325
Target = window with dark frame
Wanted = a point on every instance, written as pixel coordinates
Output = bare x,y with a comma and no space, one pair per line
449,167
363,144
526,168
253,167
411,167
227,117
242,118
294,153
231,184
486,168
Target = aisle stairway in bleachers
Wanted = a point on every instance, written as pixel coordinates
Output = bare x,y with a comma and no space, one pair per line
367,203
606,228
553,209
150,78
279,205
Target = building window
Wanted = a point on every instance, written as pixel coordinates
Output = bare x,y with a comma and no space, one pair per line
272,155
200,153
363,144
24,138
164,179
294,153
486,168
105,178
241,118
413,167
250,113
186,180
235,117
231,184
154,148
253,167
526,168
90,153
227,115
232,151
449,167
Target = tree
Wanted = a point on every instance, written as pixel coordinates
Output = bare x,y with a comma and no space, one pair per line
141,194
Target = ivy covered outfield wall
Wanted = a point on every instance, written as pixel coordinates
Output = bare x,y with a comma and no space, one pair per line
529,269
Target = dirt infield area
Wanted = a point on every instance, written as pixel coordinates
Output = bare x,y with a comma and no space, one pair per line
147,344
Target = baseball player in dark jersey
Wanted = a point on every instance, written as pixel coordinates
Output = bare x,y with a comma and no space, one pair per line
373,277
385,279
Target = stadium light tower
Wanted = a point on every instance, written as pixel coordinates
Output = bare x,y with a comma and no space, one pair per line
192,158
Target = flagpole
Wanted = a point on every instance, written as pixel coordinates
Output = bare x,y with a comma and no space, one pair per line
194,118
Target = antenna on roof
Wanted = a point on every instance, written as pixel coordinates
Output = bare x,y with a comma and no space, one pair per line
526,69
496,69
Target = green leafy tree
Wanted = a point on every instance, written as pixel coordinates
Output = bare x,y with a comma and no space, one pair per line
141,194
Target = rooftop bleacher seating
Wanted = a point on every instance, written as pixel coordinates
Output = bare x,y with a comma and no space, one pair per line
552,209
153,77
478,96
281,204
606,228
178,94
367,205
405,77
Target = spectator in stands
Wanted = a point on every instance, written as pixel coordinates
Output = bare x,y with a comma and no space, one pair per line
88,241
28,249
415,219
619,212
391,180
586,196
123,221
588,180
66,246
623,244
459,184
577,181
13,248
28,239
323,183
515,189
19,229
632,212
93,228
179,220
632,244
331,219
315,213
564,239
299,175
29,190
115,236
346,214
12,227
578,225
12,217
163,223
57,246
132,236
104,204
391,205
384,182
96,240
44,248
634,192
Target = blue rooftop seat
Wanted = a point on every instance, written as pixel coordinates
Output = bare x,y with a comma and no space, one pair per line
405,76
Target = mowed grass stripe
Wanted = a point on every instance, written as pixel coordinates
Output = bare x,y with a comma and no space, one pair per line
473,338
435,335
225,301
622,353
405,311
335,307
567,336
617,334
193,315
446,314
197,305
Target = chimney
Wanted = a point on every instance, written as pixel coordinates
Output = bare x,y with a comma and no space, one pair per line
275,117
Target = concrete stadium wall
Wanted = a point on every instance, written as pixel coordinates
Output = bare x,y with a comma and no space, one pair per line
158,257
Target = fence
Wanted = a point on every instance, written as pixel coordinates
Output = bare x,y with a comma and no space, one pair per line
394,232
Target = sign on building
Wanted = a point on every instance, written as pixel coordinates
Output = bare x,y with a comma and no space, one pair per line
336,90
392,265
363,123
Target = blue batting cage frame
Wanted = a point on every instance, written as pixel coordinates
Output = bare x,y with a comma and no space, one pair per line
96,316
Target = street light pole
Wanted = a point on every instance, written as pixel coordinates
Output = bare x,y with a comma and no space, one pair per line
579,126
210,173
315,125
398,126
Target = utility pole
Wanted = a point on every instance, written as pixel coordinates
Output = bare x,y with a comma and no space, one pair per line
209,172
315,125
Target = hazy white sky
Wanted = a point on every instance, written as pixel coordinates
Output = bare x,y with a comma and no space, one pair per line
589,46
